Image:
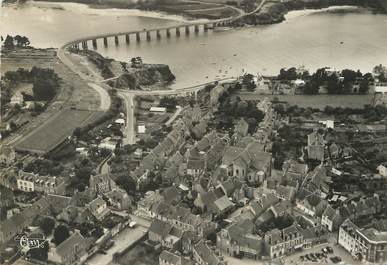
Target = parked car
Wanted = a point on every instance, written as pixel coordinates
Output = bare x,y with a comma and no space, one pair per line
132,224
108,244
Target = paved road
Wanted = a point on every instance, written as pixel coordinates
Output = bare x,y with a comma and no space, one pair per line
174,116
130,134
92,80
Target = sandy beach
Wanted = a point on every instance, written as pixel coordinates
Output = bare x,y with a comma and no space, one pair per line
85,9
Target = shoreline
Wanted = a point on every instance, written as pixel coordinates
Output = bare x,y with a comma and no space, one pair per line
293,14
93,9
283,15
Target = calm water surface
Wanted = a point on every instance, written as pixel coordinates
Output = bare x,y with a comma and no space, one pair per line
311,38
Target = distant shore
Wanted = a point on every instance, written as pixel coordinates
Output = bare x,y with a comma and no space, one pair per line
95,9
277,12
332,9
271,13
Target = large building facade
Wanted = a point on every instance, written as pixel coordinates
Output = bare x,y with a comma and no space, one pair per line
367,244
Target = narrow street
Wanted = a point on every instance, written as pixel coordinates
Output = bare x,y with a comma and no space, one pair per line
129,134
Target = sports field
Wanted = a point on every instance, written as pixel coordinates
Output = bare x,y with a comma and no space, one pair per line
55,130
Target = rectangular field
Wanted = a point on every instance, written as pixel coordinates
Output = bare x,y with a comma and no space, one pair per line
55,130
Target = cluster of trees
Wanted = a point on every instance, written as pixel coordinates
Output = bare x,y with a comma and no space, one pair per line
45,81
61,233
248,82
234,108
44,166
381,72
82,171
168,102
16,41
136,61
338,83
292,74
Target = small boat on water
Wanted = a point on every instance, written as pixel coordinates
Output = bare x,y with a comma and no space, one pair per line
220,29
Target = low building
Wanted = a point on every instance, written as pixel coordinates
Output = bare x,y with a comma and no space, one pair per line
71,251
310,203
331,219
158,109
118,200
239,240
204,255
10,227
141,128
17,99
165,234
98,208
7,155
169,258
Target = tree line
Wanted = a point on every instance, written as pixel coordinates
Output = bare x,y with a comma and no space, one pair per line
345,82
45,81
11,42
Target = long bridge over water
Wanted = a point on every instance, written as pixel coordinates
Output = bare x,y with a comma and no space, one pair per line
147,35
157,33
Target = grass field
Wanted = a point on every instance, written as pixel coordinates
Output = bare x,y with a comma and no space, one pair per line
52,132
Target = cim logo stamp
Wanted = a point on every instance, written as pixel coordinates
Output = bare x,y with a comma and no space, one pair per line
28,242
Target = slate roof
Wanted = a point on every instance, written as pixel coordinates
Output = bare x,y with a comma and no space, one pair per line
160,228
196,164
223,204
251,155
331,213
206,254
66,247
231,185
171,195
170,257
96,203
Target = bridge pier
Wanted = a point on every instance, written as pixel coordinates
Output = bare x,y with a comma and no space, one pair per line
84,45
205,27
168,33
138,39
196,29
186,30
158,35
177,32
94,42
148,36
116,41
127,38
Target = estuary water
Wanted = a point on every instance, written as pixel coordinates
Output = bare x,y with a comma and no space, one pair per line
355,39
